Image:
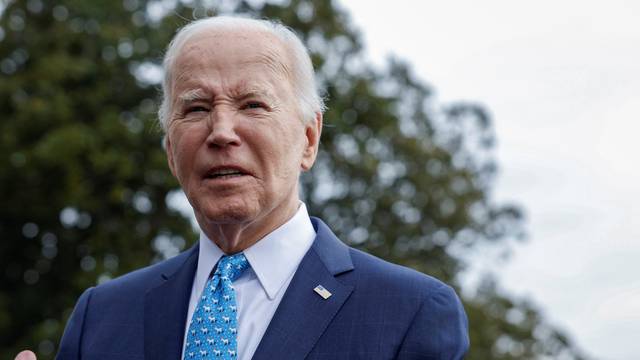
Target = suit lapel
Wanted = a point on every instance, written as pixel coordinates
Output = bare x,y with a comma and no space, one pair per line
303,315
166,308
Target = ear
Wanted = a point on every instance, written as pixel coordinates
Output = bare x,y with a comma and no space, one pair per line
169,150
312,132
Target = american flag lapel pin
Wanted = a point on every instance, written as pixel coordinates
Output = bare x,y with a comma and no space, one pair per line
320,290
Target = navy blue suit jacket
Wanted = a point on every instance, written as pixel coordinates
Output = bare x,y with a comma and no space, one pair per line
377,310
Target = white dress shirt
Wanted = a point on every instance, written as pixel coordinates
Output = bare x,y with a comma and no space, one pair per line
273,259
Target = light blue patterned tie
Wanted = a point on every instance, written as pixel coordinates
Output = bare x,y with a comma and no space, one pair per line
214,325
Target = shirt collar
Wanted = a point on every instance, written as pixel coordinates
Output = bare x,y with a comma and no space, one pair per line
208,257
273,259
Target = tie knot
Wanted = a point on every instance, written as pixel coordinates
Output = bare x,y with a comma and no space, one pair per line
231,267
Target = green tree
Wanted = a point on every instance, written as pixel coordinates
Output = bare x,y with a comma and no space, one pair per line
86,193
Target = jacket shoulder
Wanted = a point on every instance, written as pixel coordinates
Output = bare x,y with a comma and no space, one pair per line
380,272
431,310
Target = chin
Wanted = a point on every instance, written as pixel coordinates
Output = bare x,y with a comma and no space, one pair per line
227,212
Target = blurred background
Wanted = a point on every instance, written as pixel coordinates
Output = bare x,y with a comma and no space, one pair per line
562,82
492,146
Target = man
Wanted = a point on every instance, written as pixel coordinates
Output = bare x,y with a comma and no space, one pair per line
243,119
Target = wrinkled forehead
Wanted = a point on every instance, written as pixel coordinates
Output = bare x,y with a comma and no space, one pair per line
234,49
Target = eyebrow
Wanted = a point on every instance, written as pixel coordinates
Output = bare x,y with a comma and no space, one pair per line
239,94
253,93
192,95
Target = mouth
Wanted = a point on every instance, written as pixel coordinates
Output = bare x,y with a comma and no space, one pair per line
225,172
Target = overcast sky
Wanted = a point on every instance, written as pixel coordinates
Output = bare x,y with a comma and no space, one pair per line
562,81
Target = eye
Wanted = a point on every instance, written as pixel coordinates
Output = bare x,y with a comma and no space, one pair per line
196,108
254,105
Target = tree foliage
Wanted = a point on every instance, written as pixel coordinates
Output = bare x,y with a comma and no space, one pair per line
86,193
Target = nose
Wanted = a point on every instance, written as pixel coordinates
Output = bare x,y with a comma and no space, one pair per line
222,129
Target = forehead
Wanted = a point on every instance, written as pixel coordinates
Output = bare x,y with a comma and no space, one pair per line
236,58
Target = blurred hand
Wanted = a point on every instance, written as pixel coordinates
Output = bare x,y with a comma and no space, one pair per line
26,355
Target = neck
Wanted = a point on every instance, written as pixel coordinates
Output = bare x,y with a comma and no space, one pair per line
236,237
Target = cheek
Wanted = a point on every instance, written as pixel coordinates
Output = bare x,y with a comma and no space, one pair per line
182,164
289,155
183,148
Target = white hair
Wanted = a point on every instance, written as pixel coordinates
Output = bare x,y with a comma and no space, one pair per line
303,79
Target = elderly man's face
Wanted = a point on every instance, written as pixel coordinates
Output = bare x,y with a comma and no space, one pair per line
236,141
